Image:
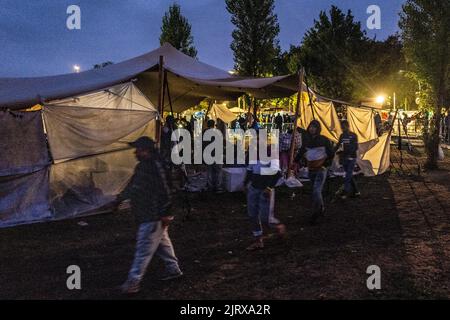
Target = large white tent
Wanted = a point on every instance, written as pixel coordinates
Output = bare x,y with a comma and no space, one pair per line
77,159
190,81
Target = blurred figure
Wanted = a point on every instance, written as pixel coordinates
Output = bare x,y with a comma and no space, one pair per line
319,154
348,141
213,171
150,201
260,183
279,122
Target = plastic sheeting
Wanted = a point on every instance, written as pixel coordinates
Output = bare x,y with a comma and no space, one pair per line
221,112
24,198
88,138
75,132
96,123
362,123
79,186
23,147
374,156
326,114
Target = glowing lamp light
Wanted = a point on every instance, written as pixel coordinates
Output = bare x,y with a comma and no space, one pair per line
76,68
380,99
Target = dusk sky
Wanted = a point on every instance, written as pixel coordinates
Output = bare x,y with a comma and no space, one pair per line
35,40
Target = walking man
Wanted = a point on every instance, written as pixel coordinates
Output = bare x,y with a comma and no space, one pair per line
261,179
214,170
348,142
150,200
319,154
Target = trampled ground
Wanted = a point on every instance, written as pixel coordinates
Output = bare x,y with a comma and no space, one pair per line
401,224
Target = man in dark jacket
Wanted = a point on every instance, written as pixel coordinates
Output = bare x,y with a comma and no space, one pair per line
279,122
319,154
348,142
150,200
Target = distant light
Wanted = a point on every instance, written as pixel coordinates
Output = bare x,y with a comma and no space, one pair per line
233,72
76,68
380,99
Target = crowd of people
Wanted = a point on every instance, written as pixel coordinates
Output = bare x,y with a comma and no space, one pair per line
150,194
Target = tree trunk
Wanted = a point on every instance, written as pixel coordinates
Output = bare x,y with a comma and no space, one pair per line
433,139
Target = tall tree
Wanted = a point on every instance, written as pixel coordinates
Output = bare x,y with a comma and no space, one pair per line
331,52
176,30
425,26
103,64
255,45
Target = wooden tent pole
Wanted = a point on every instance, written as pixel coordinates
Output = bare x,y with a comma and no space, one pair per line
168,92
297,111
161,92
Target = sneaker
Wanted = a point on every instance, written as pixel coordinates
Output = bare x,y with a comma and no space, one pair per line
130,287
281,229
171,276
356,195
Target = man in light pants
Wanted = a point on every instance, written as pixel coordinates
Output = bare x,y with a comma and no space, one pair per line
150,200
261,178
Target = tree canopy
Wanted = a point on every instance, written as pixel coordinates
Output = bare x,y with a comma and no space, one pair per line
255,45
176,30
425,26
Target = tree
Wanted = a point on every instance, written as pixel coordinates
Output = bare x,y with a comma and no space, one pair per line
425,26
331,52
176,30
103,64
255,45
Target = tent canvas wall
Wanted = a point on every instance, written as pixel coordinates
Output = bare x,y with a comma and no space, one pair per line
88,139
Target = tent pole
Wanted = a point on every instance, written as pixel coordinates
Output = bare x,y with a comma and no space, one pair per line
249,112
210,104
297,109
168,92
255,109
390,134
160,100
309,97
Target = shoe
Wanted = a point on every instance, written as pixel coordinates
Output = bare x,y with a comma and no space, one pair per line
344,197
281,229
257,245
130,287
356,195
171,276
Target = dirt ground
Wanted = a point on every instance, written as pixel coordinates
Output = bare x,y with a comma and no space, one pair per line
401,223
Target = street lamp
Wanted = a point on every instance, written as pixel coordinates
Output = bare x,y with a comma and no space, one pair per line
76,68
380,99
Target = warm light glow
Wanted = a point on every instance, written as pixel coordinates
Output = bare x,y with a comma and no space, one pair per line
76,68
380,99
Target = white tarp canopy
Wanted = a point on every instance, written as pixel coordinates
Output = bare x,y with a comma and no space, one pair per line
374,156
220,111
98,122
326,114
189,81
88,137
374,151
362,122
